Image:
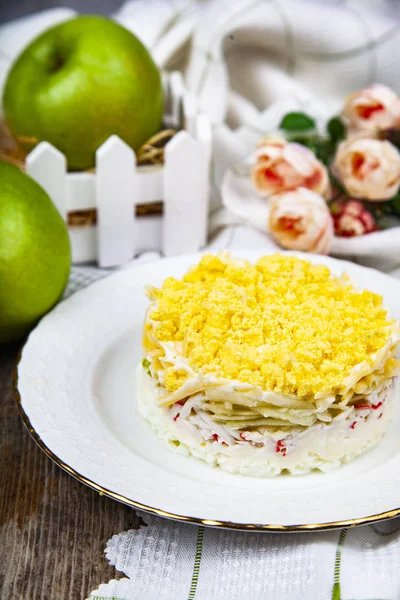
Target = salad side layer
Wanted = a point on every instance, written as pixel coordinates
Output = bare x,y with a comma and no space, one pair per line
280,342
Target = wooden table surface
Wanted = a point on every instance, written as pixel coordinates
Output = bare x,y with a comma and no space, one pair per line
53,529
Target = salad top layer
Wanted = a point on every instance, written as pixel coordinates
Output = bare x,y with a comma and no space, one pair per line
283,325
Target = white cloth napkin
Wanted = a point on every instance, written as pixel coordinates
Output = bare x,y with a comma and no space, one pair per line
251,61
175,561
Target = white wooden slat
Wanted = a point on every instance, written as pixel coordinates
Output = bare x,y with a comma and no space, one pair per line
48,167
149,233
185,196
115,194
148,236
167,111
204,135
177,88
81,192
82,187
83,243
165,82
149,184
190,113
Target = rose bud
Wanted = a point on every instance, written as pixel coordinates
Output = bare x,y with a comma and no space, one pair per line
368,168
281,166
375,108
351,219
300,220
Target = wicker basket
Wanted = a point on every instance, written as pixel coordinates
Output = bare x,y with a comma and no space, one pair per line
155,200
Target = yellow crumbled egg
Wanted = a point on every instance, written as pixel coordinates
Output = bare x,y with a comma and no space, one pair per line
284,324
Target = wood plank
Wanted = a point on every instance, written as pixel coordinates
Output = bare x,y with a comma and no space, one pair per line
53,529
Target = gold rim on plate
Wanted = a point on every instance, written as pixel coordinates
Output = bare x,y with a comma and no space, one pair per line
193,520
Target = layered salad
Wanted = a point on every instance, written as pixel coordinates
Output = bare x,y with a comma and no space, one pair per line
278,366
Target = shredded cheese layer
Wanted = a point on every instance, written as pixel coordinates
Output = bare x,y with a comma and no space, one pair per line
283,325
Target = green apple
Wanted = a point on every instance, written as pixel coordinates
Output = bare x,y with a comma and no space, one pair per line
35,253
80,82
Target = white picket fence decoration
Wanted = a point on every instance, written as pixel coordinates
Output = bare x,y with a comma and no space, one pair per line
185,220
48,166
118,185
115,188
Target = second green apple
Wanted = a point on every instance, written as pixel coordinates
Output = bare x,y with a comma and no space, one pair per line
80,82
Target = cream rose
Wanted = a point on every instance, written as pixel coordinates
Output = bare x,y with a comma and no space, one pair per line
301,220
375,108
282,166
368,168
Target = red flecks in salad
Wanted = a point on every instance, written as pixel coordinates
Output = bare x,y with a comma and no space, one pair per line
217,439
375,406
280,447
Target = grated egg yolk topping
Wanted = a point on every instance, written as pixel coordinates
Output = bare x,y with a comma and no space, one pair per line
283,324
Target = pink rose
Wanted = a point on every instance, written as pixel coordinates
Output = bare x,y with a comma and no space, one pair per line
351,219
375,108
281,166
300,220
368,168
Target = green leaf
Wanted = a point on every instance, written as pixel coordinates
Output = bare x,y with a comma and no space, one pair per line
336,595
388,221
323,151
303,138
393,204
297,121
336,129
334,208
393,136
338,187
146,365
320,146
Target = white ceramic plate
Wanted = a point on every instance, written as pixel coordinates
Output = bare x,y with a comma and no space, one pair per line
76,392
